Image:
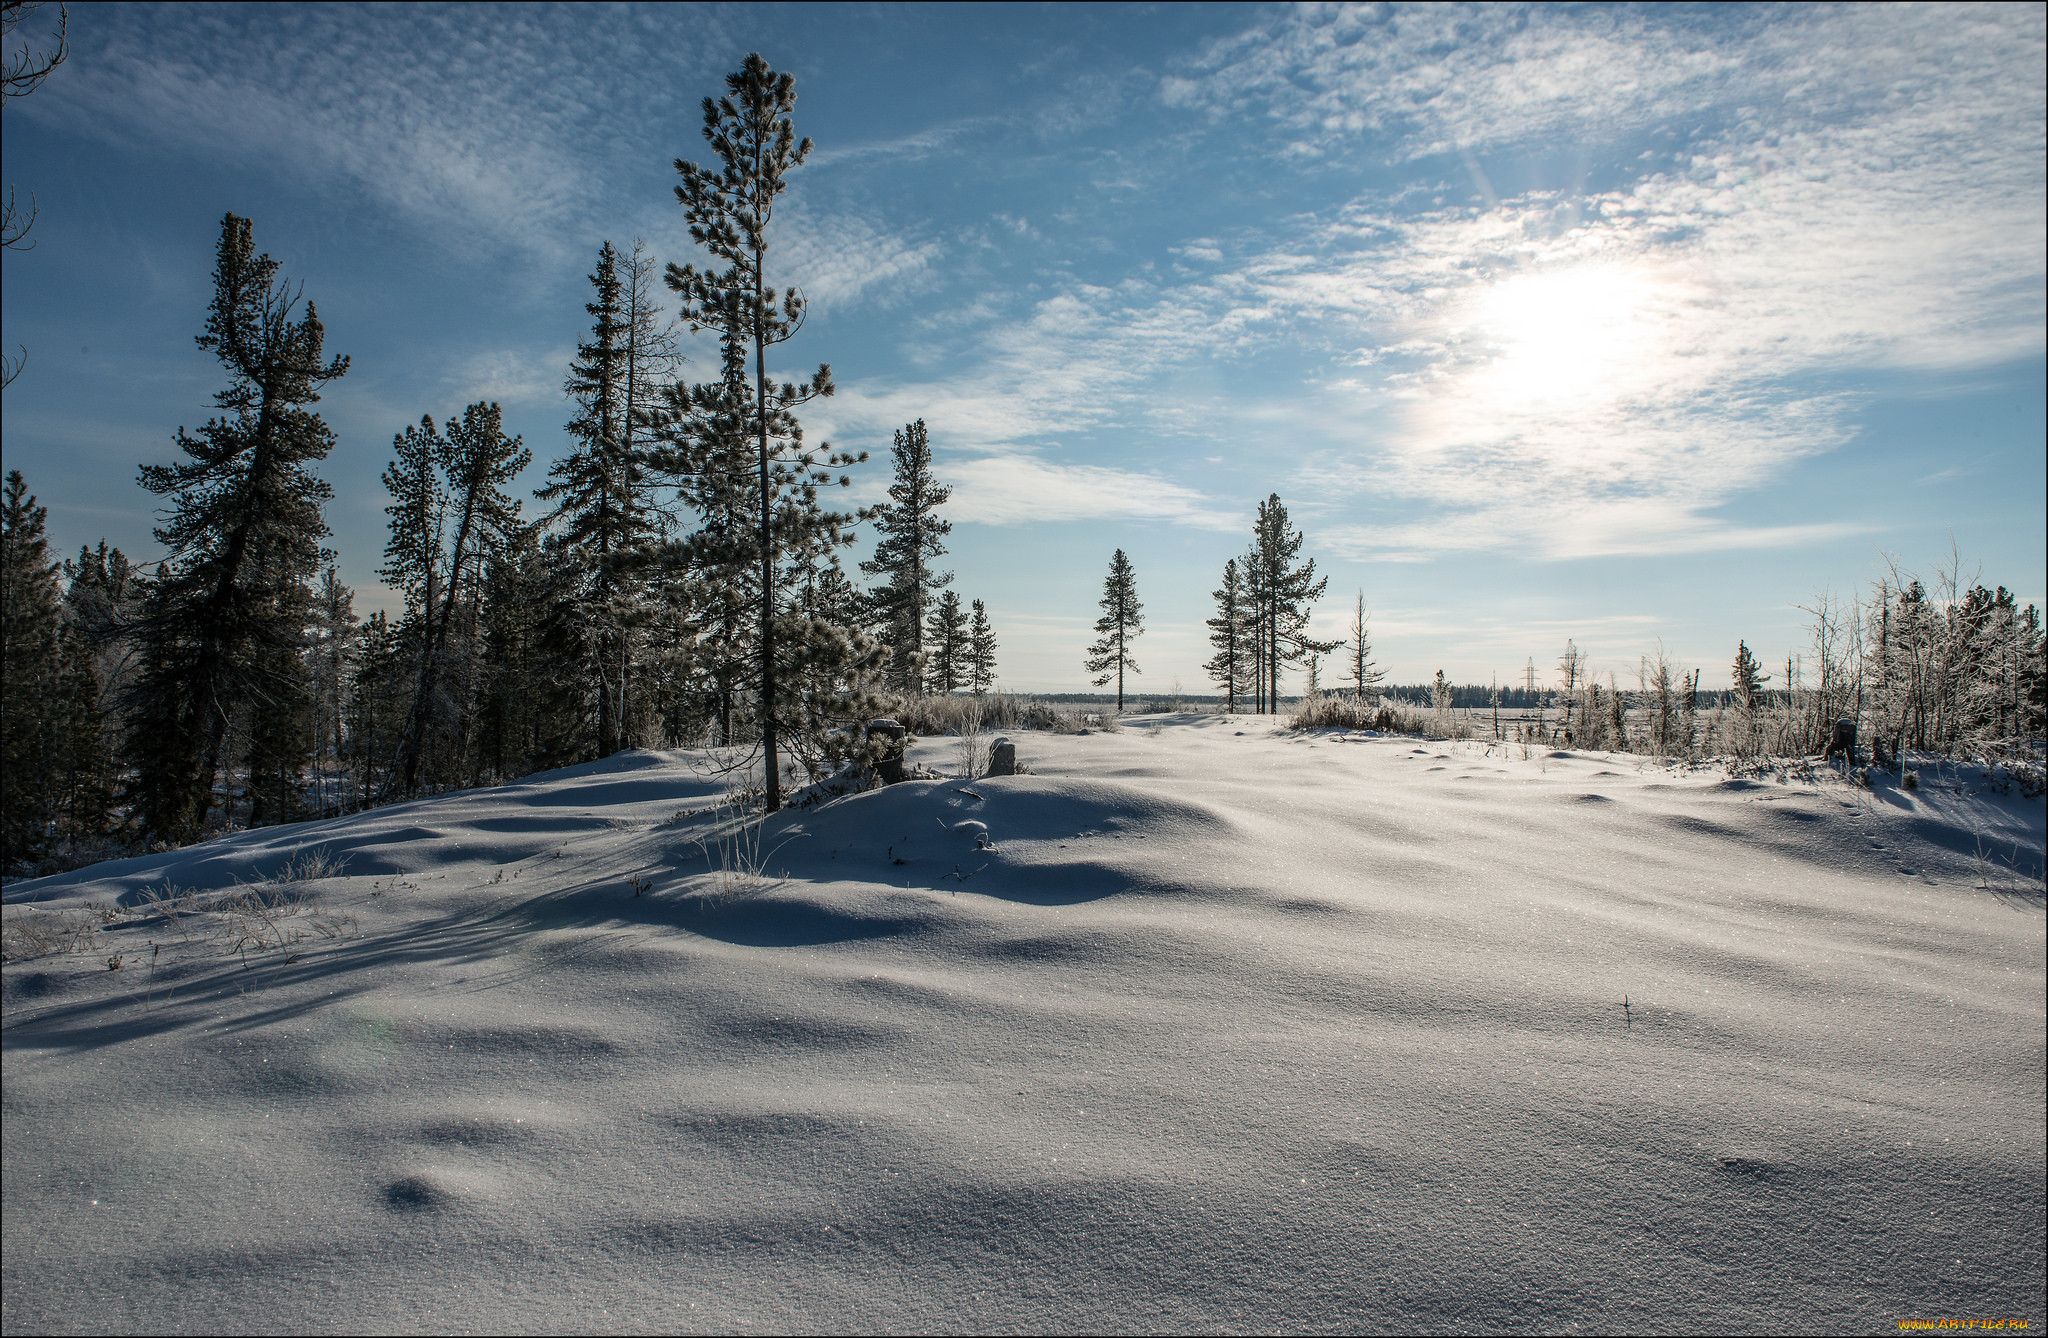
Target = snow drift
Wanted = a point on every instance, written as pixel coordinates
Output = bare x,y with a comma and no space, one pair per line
1202,1025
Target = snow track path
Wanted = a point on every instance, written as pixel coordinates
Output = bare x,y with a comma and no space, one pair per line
1201,1026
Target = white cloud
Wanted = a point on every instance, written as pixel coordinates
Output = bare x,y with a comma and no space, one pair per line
511,377
483,123
1020,489
1569,375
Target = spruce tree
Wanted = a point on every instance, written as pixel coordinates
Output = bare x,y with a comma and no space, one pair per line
30,692
1283,593
1230,633
218,625
1365,675
948,669
600,500
911,531
981,652
1121,623
730,210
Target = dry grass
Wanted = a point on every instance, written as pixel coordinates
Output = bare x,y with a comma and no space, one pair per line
997,713
277,914
34,932
1328,711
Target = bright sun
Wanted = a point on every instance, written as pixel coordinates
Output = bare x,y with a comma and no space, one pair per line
1560,337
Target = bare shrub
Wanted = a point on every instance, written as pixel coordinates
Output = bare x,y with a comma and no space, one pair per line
35,932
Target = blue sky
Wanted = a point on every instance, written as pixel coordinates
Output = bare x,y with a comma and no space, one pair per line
1633,326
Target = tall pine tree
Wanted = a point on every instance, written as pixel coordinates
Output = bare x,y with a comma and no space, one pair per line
1231,635
1283,593
948,670
219,625
730,209
1365,675
911,531
1121,623
450,511
600,501
31,625
981,651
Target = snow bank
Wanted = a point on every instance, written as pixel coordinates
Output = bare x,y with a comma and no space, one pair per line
1201,1025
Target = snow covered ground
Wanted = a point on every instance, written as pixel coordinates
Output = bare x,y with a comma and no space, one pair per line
1201,1025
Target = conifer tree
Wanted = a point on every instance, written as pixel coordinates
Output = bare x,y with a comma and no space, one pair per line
981,652
948,669
450,509
1121,623
707,580
730,209
1365,675
99,606
218,626
599,496
1231,634
280,715
911,531
31,624
1746,679
1283,593
335,634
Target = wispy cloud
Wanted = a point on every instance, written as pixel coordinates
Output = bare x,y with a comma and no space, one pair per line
1572,373
483,122
1020,489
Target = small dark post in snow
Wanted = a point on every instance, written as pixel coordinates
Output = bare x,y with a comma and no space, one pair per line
1002,758
1843,743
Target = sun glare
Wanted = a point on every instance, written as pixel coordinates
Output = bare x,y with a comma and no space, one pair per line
1561,337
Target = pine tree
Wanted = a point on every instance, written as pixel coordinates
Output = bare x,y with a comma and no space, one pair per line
1746,678
280,715
1121,623
911,530
217,626
948,669
1571,671
1365,675
450,510
335,636
1283,594
730,210
981,652
99,606
599,496
1231,633
30,691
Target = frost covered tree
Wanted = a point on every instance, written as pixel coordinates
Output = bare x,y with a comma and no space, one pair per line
911,530
981,652
947,670
729,208
219,625
1231,635
1571,674
1121,623
1746,680
1365,675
